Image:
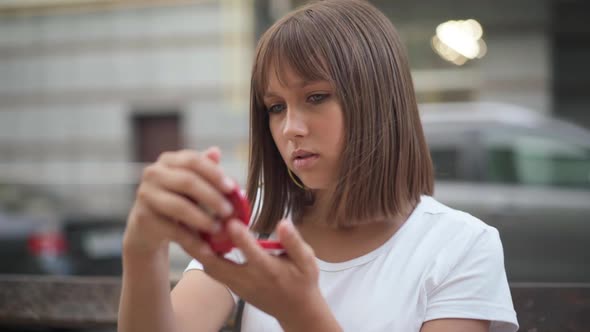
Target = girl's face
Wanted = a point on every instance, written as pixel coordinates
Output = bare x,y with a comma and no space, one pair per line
307,125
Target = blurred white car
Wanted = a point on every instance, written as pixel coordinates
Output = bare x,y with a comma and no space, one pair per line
522,172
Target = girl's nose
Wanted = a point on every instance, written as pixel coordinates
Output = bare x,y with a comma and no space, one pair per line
294,124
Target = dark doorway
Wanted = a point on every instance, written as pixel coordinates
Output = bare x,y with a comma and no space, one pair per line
154,134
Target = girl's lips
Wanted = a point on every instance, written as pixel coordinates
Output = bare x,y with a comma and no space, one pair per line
306,162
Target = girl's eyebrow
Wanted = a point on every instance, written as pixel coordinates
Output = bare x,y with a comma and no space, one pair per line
270,94
300,84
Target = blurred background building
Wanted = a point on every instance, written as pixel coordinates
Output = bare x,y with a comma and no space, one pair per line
91,90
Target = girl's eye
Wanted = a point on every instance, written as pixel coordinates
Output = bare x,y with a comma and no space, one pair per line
276,108
317,98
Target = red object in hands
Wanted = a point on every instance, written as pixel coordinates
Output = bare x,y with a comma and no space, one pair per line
221,243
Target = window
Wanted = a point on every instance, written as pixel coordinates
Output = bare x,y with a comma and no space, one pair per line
446,163
154,134
535,160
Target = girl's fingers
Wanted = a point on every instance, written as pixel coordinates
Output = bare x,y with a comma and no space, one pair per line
188,239
213,153
192,243
161,226
200,164
186,183
243,239
178,232
176,207
234,275
298,251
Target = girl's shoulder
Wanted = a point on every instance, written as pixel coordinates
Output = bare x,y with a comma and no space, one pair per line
439,233
433,216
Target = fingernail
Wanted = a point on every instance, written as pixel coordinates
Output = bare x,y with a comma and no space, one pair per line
228,184
227,209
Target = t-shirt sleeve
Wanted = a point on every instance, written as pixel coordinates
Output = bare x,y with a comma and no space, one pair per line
235,255
469,281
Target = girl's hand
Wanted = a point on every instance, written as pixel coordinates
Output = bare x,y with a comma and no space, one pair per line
175,199
285,287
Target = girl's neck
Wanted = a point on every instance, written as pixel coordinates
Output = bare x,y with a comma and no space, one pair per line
336,244
318,212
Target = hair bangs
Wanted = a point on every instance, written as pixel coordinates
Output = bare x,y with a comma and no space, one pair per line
290,45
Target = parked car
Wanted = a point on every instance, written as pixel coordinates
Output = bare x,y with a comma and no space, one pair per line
525,173
95,244
30,232
38,238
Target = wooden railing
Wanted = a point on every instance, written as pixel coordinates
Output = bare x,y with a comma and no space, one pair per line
91,302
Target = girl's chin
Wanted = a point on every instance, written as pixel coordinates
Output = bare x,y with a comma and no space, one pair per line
314,185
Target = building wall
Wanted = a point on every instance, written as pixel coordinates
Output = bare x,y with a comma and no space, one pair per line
71,80
516,68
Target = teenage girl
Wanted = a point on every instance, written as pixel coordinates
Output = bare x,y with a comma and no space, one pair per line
340,174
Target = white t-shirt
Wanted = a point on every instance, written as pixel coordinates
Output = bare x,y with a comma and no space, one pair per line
442,263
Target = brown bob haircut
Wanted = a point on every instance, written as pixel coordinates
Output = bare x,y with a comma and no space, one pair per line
385,165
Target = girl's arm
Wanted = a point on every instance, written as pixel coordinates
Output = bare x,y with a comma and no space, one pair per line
145,294
165,211
456,325
197,303
197,290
